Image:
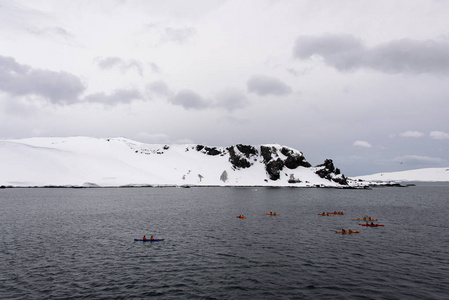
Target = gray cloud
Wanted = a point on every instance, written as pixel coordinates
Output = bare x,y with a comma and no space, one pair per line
123,65
264,85
179,35
185,98
231,99
159,88
189,100
117,97
20,80
347,53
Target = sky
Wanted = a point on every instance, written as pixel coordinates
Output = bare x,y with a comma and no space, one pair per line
364,83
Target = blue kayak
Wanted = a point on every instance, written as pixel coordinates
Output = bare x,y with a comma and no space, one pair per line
148,240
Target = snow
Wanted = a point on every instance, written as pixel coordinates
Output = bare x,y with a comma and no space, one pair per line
106,162
426,174
109,162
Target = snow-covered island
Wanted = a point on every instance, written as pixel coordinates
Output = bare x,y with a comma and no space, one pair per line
114,162
425,174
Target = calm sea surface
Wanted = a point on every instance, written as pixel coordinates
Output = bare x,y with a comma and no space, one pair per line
79,243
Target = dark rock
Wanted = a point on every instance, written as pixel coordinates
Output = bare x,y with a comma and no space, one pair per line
328,168
236,160
295,160
247,150
267,153
341,180
208,150
274,168
212,151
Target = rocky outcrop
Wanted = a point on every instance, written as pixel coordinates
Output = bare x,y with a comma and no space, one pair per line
294,159
327,170
237,160
208,150
274,164
275,159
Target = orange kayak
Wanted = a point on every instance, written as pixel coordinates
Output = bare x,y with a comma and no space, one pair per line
352,231
272,214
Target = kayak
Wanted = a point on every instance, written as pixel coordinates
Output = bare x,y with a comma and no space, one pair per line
325,214
354,231
148,240
373,225
365,219
272,214
338,213
241,217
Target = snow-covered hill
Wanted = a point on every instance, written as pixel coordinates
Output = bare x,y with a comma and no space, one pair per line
85,161
428,174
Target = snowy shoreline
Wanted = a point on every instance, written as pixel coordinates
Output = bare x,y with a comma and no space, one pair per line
81,162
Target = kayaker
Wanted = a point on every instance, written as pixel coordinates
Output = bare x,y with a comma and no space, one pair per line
151,238
144,238
366,223
349,230
343,231
372,224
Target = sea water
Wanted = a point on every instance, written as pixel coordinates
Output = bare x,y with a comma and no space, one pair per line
79,243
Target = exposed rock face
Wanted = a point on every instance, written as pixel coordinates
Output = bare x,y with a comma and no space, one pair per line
294,160
208,150
266,153
327,170
238,161
274,163
247,150
275,159
274,168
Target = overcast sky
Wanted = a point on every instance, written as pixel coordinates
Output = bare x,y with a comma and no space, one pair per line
365,83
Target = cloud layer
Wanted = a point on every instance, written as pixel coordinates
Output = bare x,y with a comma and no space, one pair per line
20,80
265,85
346,52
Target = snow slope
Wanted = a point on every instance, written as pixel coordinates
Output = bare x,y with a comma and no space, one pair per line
428,174
85,161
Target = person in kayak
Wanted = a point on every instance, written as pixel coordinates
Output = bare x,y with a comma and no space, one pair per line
144,238
372,224
343,231
151,238
349,230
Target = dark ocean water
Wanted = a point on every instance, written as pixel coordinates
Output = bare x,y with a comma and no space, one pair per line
79,243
